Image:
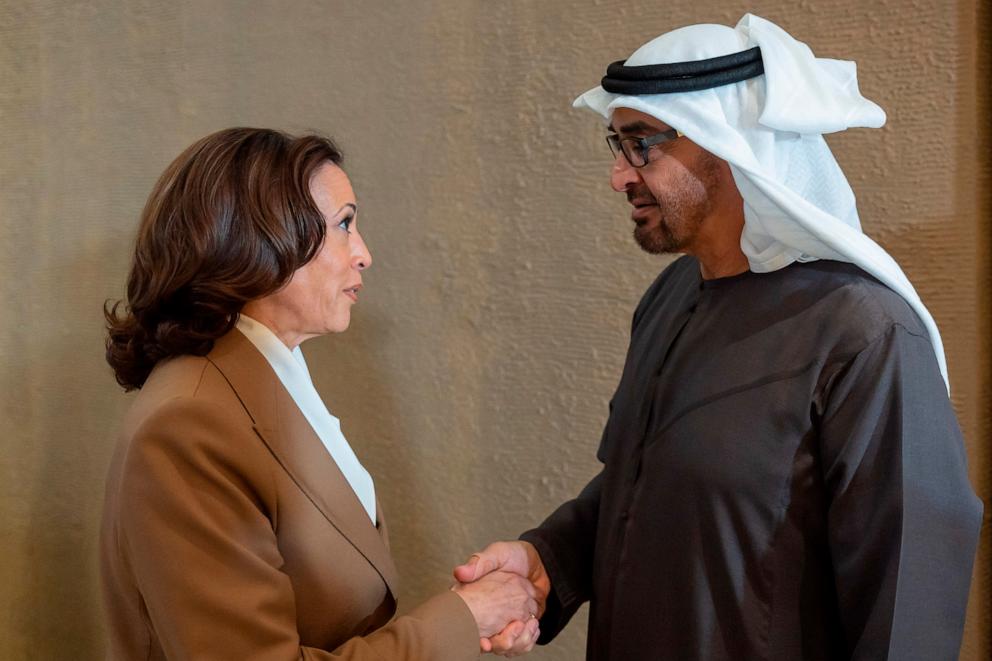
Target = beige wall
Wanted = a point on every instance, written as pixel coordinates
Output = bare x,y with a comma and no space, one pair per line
475,378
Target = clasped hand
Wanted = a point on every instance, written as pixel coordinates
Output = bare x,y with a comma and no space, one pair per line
505,587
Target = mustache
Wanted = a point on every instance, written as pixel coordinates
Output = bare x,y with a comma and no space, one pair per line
640,193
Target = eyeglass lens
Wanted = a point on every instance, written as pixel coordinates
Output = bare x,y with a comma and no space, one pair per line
629,146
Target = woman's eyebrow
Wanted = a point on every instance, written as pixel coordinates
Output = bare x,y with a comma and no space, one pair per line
354,209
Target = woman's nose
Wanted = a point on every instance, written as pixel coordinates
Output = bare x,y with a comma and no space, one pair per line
362,258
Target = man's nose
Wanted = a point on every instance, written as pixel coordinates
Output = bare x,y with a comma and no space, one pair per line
623,175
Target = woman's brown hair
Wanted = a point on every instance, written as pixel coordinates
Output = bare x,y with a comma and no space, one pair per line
229,221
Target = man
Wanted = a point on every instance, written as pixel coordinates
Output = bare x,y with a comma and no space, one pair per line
783,475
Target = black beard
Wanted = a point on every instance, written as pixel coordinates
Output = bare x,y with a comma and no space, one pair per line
681,214
657,240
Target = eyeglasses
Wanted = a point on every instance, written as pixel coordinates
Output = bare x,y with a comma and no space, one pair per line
635,150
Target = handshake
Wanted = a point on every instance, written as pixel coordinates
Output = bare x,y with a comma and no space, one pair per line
505,586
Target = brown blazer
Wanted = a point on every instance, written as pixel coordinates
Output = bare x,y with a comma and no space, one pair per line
230,533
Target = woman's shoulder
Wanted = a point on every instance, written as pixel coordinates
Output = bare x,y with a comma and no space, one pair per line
187,445
178,376
186,397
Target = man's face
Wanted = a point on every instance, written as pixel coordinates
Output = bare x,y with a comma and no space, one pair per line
673,194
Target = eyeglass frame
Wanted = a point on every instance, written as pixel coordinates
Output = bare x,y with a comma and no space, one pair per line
642,144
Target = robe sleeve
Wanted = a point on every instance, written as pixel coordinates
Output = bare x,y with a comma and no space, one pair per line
903,521
566,540
566,544
205,557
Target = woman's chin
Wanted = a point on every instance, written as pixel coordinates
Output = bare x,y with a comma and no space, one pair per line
339,324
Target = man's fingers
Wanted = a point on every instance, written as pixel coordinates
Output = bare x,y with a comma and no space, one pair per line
527,639
469,571
489,559
531,607
524,642
533,631
503,642
516,639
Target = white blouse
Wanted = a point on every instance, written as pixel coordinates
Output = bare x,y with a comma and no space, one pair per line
292,371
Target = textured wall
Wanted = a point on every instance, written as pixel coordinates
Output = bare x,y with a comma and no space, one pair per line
491,333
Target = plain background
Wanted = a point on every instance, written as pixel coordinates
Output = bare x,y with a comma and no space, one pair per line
474,380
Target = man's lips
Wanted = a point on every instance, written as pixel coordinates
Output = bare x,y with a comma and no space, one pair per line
641,211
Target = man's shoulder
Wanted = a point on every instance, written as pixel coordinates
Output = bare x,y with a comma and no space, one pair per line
851,298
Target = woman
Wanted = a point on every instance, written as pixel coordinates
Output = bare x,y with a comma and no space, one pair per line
238,523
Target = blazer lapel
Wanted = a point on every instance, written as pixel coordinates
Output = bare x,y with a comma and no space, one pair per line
291,440
381,524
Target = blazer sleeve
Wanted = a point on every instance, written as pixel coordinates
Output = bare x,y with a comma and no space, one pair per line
195,527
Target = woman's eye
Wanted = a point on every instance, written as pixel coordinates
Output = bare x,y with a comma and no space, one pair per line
345,223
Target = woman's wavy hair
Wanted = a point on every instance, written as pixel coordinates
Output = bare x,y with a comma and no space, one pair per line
228,221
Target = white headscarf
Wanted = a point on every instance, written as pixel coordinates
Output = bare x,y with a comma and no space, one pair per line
798,205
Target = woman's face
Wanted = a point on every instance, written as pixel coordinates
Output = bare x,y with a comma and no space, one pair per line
318,298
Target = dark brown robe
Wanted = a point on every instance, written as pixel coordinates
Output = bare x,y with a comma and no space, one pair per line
784,478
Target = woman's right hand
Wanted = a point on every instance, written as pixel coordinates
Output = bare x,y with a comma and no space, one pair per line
497,599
